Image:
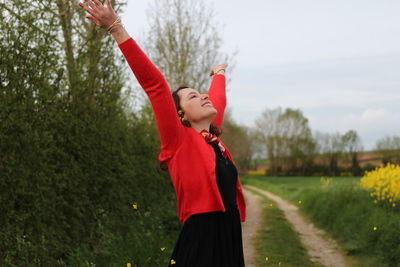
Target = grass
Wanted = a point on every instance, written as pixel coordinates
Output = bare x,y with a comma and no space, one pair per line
345,212
277,243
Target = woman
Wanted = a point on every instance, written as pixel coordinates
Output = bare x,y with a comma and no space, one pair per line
210,200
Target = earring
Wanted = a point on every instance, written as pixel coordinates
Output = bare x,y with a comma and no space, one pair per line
180,112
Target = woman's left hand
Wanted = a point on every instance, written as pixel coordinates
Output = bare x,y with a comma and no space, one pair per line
102,16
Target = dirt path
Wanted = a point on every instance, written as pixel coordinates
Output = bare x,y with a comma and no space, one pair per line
251,226
322,250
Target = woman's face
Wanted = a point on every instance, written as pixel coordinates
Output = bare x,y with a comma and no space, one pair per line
196,106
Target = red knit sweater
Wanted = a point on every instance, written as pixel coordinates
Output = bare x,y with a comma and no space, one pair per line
190,159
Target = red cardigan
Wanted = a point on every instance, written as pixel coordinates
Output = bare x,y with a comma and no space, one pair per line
190,159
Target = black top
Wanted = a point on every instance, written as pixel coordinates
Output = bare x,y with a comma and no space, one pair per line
226,174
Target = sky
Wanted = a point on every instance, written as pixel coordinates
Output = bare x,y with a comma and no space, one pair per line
337,61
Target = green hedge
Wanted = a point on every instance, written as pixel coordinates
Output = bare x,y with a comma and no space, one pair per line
348,213
72,161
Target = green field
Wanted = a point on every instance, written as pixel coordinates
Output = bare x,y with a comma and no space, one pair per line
345,212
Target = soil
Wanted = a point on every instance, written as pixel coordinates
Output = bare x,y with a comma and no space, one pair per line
251,226
321,248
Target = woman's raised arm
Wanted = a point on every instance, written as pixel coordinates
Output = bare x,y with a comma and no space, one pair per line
217,92
150,78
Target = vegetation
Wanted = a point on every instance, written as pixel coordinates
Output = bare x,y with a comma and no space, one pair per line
184,42
341,207
283,142
277,243
384,183
389,147
79,176
72,162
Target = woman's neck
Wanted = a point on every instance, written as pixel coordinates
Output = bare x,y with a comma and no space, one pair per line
201,126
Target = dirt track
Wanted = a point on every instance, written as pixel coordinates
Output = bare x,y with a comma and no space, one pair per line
321,249
251,226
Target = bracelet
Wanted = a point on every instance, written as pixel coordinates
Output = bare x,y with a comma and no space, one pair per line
115,23
215,72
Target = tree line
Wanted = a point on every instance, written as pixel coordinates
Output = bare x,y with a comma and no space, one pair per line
283,140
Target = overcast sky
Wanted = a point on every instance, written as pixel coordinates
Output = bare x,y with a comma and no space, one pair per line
337,61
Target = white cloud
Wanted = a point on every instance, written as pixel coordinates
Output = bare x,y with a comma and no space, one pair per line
374,115
371,124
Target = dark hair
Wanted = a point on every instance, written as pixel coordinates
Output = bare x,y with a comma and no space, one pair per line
213,128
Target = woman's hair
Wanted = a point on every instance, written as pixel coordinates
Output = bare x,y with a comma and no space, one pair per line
213,128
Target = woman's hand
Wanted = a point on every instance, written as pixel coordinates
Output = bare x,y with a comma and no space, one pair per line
219,69
102,16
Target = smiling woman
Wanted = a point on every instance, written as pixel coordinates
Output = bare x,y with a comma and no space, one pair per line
192,106
210,199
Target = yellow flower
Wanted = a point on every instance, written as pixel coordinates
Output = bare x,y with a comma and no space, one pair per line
375,228
384,183
128,265
299,201
266,258
134,206
162,249
173,262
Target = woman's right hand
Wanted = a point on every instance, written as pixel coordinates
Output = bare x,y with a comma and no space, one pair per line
102,16
217,68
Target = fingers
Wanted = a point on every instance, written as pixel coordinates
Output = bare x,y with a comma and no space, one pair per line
109,4
92,5
87,9
94,20
97,3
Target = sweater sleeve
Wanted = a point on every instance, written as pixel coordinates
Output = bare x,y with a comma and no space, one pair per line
156,87
217,94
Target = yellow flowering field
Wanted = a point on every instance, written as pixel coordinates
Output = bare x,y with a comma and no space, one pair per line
384,183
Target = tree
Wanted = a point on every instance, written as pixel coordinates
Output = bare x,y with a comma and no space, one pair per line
389,147
287,139
352,145
330,148
240,141
184,43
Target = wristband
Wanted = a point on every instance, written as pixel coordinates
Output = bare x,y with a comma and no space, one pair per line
216,72
115,23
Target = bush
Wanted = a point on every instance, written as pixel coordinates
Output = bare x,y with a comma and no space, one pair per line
361,226
384,184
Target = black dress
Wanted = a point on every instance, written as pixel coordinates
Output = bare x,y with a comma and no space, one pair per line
213,238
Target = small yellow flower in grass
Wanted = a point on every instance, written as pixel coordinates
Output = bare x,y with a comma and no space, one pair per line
134,206
270,204
162,249
299,201
173,262
128,265
375,228
393,205
266,259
